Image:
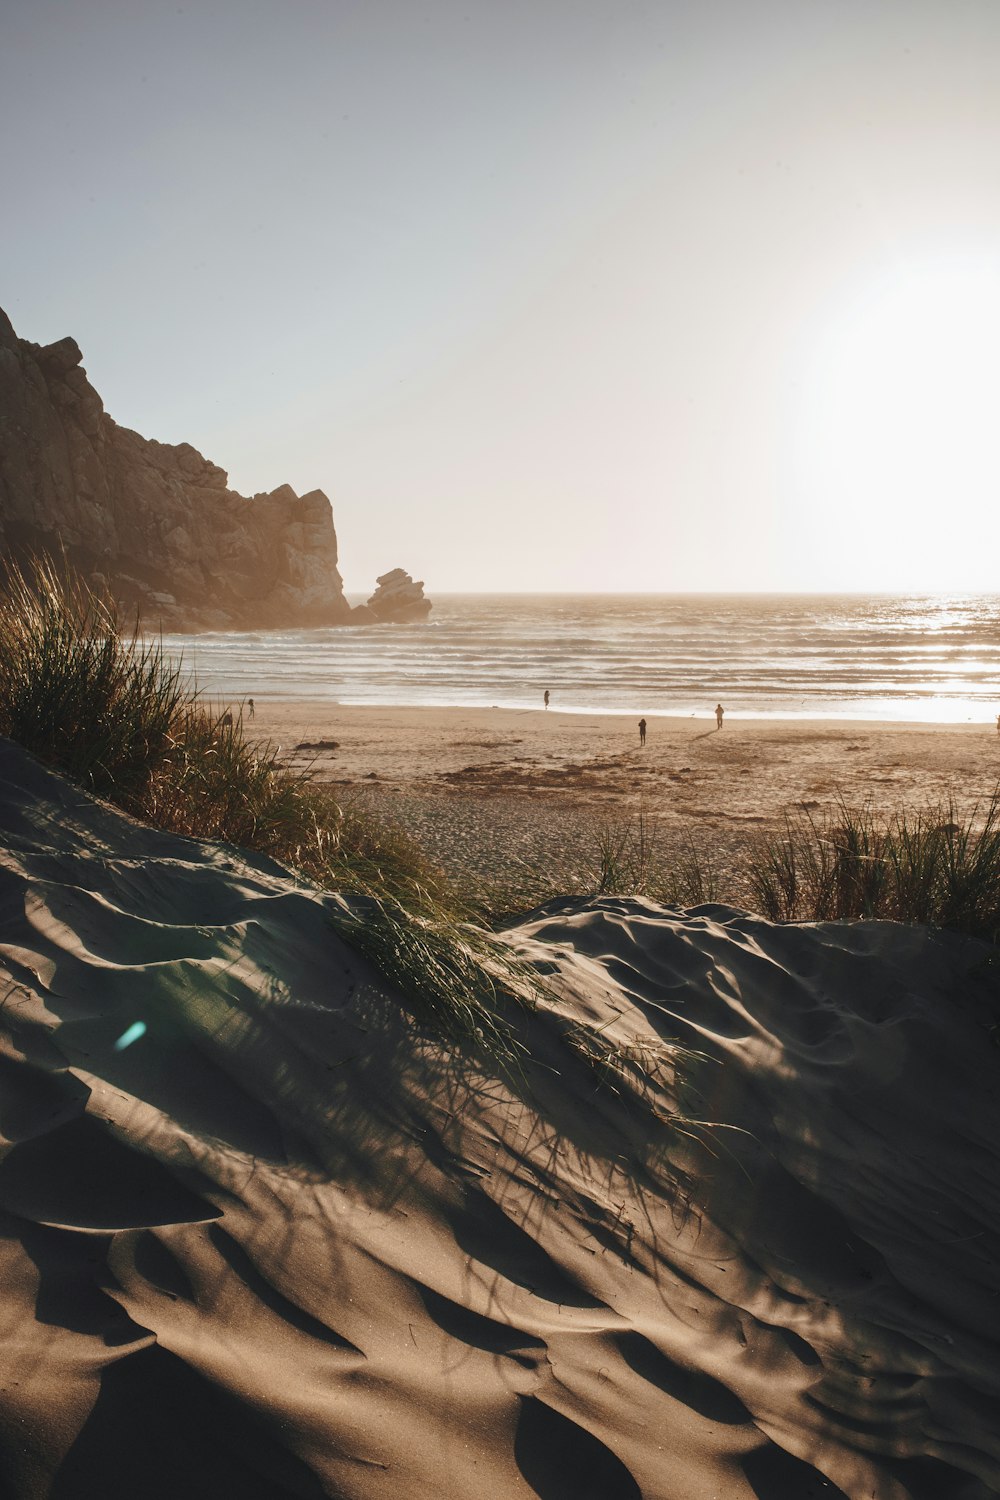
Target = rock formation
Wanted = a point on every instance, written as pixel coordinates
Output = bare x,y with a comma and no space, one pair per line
398,599
156,523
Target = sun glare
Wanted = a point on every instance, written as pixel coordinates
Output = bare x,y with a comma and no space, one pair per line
897,455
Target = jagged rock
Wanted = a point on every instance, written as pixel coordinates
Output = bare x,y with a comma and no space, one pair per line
398,598
156,521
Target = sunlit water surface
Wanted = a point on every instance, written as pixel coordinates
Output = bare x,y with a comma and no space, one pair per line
917,657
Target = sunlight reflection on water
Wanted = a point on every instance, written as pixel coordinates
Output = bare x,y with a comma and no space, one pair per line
936,660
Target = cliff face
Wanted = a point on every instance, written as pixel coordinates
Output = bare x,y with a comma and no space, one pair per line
157,522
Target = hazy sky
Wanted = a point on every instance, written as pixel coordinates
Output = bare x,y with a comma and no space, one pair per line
569,294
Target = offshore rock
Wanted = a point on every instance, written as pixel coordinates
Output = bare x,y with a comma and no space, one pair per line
155,525
398,599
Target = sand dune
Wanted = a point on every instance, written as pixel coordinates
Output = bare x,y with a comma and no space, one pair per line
282,1245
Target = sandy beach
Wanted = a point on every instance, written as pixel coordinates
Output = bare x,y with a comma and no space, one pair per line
519,798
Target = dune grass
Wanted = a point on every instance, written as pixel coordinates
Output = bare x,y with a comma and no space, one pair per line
78,693
932,867
629,862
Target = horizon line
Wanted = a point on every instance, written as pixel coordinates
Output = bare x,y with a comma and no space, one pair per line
839,593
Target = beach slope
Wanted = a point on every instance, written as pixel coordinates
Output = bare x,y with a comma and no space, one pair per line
262,1237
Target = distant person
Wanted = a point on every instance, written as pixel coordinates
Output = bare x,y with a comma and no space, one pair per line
546,698
998,723
642,731
226,722
719,711
250,706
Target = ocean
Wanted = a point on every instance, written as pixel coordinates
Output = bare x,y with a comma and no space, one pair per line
930,658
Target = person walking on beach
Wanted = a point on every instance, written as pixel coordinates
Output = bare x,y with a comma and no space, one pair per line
642,731
250,706
546,698
719,711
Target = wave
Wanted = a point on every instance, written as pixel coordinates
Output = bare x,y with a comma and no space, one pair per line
916,656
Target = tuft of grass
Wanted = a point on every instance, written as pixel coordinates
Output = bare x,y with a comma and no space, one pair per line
931,867
694,880
626,847
458,976
631,863
79,692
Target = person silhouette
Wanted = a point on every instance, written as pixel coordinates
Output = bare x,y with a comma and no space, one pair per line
250,706
642,731
546,698
719,711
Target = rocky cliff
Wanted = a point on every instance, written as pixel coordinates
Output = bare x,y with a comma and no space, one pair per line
155,521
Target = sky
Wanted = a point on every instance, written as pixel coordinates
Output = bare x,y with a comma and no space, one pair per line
544,294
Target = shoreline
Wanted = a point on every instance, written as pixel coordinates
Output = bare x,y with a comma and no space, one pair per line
986,720
520,800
